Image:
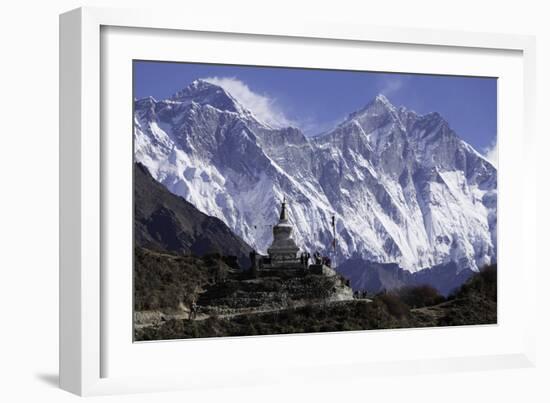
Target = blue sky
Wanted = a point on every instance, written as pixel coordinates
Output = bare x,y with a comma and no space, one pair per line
316,100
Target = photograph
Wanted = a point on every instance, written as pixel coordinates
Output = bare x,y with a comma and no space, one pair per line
287,200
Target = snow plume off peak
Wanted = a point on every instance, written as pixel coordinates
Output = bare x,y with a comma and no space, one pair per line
264,108
403,187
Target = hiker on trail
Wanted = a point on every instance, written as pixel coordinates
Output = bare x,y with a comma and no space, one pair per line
302,258
317,257
193,311
252,256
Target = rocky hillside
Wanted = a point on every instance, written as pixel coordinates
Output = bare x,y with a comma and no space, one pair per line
166,286
474,303
167,282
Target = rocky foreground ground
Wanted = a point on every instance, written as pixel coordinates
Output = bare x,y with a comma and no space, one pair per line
236,303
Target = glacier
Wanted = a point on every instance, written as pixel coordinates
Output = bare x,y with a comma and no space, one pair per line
404,188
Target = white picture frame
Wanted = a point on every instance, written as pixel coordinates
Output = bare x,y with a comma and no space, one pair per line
85,345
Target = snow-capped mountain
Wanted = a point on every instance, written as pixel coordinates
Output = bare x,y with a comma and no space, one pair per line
403,187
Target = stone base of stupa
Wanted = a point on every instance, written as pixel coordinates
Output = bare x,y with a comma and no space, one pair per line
283,264
322,269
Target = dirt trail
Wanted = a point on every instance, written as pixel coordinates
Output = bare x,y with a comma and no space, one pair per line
432,313
262,311
203,316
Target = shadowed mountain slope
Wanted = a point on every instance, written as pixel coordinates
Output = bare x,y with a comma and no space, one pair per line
164,221
375,277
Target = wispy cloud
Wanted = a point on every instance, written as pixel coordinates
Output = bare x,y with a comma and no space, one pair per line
265,108
390,84
491,153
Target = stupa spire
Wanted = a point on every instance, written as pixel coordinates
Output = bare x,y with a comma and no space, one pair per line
283,216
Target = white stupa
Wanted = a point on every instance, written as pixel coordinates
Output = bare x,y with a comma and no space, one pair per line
283,251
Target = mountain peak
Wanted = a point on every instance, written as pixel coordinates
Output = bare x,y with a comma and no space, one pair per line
381,98
205,93
201,84
381,102
198,87
378,107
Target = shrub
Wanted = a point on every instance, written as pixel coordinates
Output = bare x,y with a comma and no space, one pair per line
394,305
165,281
483,284
419,296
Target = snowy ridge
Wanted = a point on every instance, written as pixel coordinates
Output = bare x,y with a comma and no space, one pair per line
404,188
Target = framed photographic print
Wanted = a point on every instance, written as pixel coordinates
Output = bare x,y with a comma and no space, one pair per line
257,195
319,206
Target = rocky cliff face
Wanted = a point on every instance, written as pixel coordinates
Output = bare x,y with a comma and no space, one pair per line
403,187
